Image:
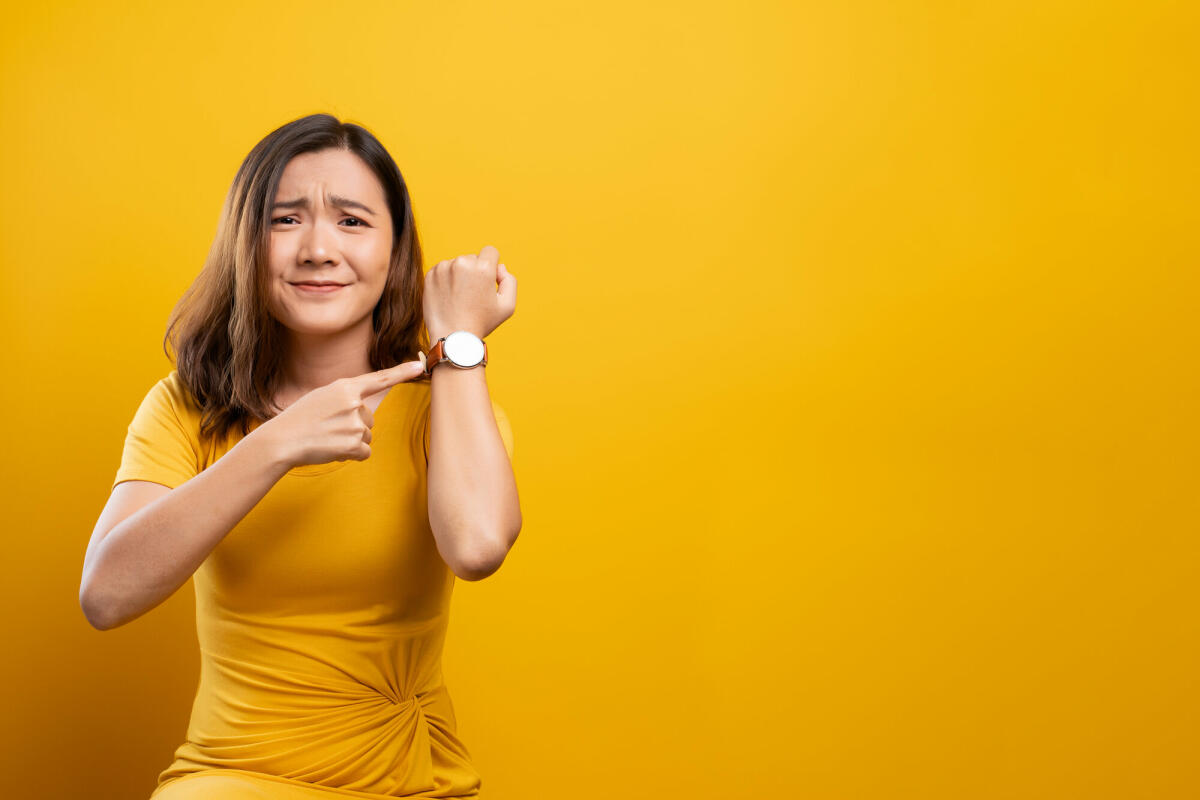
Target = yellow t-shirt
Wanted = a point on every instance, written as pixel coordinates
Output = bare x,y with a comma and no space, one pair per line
320,619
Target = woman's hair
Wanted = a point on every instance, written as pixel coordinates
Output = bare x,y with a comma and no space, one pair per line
229,349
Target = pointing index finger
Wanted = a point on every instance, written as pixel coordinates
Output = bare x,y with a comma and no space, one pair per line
379,380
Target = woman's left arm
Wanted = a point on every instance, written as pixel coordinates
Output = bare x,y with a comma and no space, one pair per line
473,505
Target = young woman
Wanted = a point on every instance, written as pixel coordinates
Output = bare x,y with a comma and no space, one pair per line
322,479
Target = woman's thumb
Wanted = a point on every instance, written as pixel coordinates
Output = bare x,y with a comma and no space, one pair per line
508,283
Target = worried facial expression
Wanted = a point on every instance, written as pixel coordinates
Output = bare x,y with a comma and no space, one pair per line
330,223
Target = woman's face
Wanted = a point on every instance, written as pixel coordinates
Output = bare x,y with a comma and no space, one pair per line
329,223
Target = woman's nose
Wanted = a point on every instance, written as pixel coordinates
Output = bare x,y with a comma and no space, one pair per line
317,243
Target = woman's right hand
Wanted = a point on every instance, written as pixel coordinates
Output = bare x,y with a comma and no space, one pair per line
333,423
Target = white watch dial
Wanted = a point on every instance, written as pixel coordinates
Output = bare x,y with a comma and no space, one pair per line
464,348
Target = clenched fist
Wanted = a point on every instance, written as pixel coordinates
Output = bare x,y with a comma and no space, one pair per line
462,294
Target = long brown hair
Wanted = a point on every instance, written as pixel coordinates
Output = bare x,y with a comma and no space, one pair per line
229,348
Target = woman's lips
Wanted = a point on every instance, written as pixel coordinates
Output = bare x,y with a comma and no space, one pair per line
309,288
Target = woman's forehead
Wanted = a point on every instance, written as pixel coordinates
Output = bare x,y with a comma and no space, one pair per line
330,172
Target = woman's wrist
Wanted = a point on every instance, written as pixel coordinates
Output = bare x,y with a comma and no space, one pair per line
274,452
442,331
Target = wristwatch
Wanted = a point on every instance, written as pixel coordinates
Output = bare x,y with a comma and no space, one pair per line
461,349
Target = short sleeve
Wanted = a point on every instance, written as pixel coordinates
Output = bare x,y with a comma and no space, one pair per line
158,445
502,423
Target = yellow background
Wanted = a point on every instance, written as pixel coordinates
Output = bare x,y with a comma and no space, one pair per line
853,377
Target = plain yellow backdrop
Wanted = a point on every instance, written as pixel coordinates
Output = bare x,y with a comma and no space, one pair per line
852,379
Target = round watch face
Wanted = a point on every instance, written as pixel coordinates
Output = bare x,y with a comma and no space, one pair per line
464,348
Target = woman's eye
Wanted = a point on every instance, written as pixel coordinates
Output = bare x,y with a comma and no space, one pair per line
358,222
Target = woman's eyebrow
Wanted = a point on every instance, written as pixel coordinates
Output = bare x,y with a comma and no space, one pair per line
334,200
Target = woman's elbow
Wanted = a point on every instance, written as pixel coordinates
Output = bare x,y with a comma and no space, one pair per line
482,561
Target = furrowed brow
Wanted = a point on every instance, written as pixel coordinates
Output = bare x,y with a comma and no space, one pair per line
340,202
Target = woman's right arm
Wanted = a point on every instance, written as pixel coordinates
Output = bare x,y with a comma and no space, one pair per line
150,538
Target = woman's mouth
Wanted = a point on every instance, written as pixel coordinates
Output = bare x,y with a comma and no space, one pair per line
313,288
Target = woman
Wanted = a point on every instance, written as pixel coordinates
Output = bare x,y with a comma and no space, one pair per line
321,481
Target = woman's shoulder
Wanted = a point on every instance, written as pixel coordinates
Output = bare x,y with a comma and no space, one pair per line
170,404
174,389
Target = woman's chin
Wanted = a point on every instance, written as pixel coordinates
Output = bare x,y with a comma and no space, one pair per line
311,327
322,321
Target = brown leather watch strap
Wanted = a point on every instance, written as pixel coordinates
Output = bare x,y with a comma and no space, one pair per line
437,354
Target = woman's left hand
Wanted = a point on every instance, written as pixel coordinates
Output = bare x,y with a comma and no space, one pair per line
462,294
